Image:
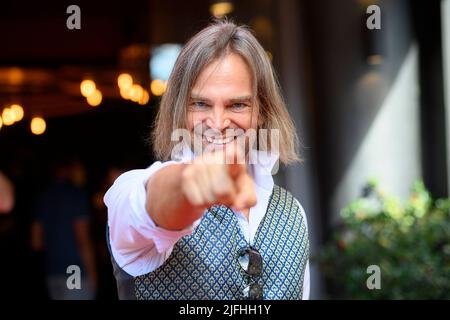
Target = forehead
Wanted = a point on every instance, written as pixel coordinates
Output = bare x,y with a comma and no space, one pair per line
229,73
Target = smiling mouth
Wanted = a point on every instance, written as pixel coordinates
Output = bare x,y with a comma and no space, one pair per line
219,141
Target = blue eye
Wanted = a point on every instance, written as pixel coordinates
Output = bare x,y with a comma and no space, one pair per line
238,106
199,105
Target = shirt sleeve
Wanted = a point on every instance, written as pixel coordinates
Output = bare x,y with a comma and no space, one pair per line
306,278
137,244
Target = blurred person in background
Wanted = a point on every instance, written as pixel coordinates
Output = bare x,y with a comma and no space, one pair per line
61,229
6,194
106,282
8,237
17,256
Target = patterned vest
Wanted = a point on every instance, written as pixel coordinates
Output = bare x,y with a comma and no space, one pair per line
204,265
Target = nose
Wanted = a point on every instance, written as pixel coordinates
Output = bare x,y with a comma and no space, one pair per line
218,119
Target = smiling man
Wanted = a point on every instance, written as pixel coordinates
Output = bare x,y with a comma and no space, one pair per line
208,222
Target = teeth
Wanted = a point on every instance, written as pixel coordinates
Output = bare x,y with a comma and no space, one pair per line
219,141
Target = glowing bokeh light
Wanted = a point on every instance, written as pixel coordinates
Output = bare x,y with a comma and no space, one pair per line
8,117
124,81
95,99
18,112
144,98
38,125
87,88
221,9
125,93
136,92
158,87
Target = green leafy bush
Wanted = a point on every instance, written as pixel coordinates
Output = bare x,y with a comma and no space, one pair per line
410,243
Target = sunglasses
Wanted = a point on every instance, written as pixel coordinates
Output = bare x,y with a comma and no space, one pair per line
250,261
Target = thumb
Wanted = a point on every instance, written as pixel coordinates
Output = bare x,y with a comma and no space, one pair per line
235,158
246,193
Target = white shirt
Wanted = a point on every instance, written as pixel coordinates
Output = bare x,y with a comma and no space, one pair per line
139,246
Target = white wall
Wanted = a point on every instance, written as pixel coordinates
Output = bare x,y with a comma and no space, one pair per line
390,151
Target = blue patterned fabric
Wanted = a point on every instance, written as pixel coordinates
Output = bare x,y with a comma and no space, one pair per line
204,264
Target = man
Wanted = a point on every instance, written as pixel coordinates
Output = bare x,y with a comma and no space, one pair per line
206,225
61,229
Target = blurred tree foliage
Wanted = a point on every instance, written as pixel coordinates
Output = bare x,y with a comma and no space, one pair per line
410,243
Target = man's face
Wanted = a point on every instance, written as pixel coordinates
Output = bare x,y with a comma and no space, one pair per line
220,106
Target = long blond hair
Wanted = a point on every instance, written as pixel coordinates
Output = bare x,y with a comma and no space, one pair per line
211,43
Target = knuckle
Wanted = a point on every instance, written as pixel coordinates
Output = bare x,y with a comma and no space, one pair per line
190,173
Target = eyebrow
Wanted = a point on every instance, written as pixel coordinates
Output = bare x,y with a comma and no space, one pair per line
246,98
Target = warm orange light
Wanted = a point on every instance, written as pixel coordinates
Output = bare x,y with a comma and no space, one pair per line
220,9
124,81
125,93
1,122
136,92
15,76
87,88
95,99
17,110
144,98
38,125
8,117
158,87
